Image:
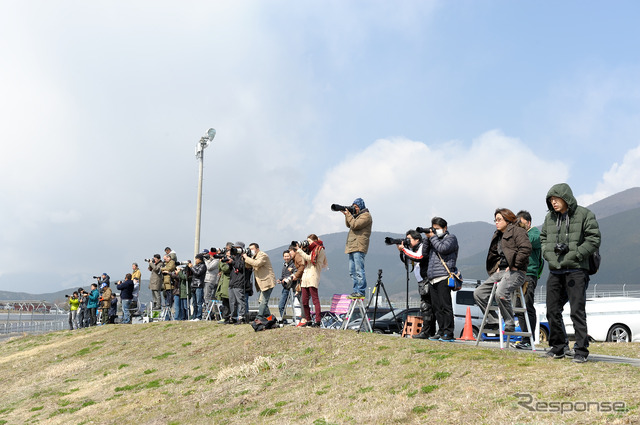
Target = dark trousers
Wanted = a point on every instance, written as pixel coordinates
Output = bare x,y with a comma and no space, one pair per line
560,288
313,292
443,311
529,296
92,316
426,309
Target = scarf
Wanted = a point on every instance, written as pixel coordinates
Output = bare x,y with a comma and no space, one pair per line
315,248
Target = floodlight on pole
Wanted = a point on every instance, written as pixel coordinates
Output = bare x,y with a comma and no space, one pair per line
204,143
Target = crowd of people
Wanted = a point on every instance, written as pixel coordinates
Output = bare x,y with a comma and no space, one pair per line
517,251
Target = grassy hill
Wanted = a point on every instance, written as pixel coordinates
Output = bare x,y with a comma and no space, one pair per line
198,372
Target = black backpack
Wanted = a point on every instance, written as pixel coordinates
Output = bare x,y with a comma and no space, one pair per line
261,323
594,262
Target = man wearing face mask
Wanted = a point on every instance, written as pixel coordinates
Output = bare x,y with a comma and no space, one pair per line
443,247
264,275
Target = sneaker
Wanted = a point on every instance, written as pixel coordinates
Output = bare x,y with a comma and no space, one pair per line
523,346
436,337
356,295
555,356
447,338
509,328
491,327
421,335
301,325
570,353
579,358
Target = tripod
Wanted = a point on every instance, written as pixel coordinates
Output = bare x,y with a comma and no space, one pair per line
376,291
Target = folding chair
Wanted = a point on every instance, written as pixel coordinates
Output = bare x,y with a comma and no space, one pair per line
333,318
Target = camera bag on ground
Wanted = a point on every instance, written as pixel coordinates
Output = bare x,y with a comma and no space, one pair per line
261,323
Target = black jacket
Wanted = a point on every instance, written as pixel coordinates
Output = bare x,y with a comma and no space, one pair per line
199,271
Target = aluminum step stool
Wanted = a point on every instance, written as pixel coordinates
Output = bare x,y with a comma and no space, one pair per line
364,324
502,334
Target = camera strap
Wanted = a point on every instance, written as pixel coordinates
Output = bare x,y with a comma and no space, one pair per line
559,225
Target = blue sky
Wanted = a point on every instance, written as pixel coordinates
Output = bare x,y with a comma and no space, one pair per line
421,108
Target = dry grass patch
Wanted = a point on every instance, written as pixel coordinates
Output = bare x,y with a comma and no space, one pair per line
200,372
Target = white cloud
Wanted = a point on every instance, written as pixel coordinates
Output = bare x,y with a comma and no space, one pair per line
404,183
621,176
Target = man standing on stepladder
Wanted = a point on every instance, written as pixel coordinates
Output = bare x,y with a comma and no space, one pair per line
358,219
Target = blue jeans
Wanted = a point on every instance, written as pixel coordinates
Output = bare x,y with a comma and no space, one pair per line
283,301
126,314
177,308
263,303
356,271
197,299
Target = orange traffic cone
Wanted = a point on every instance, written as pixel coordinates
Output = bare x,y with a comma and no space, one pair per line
467,334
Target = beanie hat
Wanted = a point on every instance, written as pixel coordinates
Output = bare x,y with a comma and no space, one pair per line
359,202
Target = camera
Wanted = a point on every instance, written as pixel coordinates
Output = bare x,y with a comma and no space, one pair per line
66,296
425,230
338,207
561,248
393,241
239,251
304,244
96,277
183,263
219,256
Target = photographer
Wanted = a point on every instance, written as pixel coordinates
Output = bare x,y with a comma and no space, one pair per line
288,268
82,309
211,278
103,279
126,295
264,276
507,262
315,261
106,303
443,247
237,284
156,280
199,271
359,223
418,252
74,302
180,282
168,268
222,291
92,303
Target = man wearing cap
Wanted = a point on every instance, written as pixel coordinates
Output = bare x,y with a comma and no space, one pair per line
264,275
156,280
237,284
106,302
359,225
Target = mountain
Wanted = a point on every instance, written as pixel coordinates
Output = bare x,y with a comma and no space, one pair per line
618,216
620,202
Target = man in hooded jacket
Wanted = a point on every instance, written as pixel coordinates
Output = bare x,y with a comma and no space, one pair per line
569,235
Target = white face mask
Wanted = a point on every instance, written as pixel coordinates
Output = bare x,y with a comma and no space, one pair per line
439,232
253,252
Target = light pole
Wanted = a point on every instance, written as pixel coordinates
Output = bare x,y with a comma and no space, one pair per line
204,142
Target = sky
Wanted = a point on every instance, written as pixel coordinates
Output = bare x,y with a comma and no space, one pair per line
421,108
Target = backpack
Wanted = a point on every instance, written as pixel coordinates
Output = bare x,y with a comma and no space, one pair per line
594,262
261,323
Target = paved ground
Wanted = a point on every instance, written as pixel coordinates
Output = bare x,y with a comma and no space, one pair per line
542,352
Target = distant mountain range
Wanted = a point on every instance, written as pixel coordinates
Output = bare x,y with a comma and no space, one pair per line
618,217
